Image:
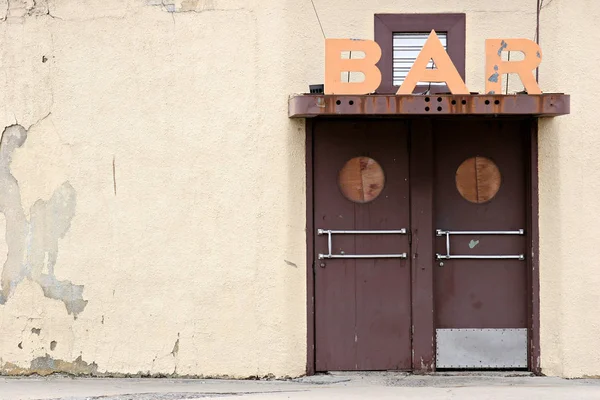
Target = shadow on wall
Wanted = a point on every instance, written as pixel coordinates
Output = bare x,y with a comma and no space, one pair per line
33,244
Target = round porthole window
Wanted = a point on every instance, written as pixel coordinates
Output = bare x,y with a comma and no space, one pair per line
361,180
478,179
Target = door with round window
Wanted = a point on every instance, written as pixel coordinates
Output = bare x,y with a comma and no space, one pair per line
362,270
481,270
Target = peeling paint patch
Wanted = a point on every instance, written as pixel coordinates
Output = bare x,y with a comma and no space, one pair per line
191,5
473,244
291,264
182,6
53,345
36,331
493,77
33,244
503,45
47,365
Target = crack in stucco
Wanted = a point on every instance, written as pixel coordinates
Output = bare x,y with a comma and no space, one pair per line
33,244
6,11
17,10
175,353
26,8
175,350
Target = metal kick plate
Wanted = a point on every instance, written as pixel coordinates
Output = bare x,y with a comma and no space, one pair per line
481,348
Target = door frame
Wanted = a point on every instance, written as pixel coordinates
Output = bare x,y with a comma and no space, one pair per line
422,252
533,245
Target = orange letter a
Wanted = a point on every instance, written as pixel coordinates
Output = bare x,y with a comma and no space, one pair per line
445,72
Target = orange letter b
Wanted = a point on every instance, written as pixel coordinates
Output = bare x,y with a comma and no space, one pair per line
335,65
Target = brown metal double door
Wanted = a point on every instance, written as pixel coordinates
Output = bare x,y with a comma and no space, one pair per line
469,185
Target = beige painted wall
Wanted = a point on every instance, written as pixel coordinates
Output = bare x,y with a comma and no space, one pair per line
192,257
569,192
158,166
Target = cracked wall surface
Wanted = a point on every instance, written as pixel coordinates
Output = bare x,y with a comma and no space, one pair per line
33,242
24,8
153,186
129,196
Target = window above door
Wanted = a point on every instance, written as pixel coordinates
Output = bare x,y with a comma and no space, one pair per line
401,37
406,49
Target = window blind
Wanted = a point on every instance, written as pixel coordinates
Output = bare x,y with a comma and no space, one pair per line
406,49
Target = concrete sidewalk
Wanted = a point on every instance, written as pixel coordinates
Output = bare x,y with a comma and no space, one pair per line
330,387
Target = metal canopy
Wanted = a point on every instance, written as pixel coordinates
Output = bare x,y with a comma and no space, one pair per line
544,105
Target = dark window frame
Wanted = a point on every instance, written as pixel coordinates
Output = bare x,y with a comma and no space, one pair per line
385,26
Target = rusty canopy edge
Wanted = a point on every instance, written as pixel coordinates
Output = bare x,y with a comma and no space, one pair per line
543,105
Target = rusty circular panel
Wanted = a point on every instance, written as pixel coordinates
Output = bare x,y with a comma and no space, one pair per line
478,179
361,180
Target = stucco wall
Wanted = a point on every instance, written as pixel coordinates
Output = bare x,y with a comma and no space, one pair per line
152,186
158,167
570,192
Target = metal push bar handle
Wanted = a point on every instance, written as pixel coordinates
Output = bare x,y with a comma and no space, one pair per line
447,256
381,232
440,232
460,257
